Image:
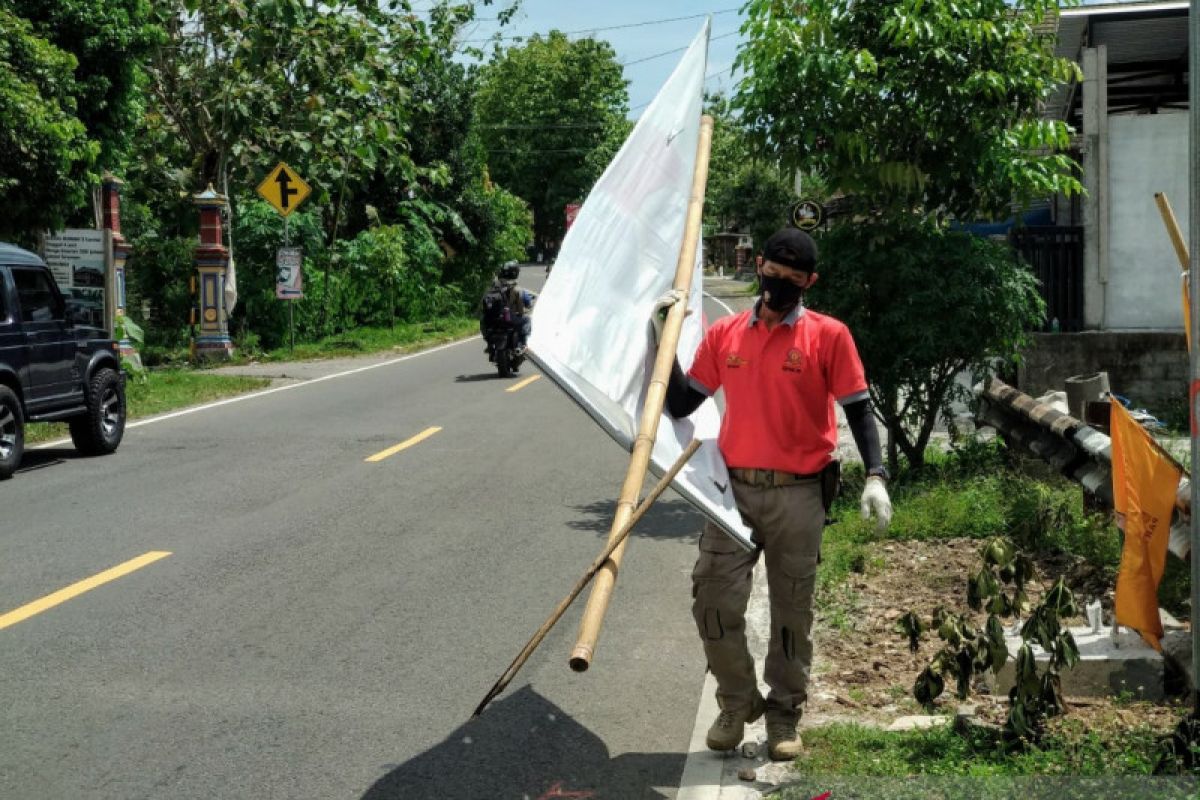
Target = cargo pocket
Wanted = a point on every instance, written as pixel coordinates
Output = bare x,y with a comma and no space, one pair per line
798,576
714,562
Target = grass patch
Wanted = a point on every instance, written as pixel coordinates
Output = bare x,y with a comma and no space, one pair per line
847,749
977,491
362,341
161,391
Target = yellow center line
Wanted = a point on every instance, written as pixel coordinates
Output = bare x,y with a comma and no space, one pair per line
391,451
75,589
516,387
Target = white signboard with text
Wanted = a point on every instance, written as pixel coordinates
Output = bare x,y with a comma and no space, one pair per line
81,262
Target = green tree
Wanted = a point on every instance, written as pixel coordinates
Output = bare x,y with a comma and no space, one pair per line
746,192
931,106
45,153
321,87
365,101
925,305
111,42
919,112
329,88
542,109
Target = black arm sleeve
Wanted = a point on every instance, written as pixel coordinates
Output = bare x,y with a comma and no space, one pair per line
682,399
866,435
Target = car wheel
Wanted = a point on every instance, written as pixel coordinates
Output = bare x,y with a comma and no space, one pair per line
12,432
98,432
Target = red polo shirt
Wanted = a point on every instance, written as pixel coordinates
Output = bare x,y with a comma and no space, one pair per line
779,387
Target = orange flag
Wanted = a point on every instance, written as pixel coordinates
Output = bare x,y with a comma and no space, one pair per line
1144,484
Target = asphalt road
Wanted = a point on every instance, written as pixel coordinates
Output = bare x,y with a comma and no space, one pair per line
323,626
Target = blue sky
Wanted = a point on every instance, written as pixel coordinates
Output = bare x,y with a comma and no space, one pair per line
634,43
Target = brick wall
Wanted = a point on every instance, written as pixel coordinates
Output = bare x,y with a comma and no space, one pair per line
1148,367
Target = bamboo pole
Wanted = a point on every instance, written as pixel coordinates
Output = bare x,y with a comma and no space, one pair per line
1181,248
613,544
656,395
1181,252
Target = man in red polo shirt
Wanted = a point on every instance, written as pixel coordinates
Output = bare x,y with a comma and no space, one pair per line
782,367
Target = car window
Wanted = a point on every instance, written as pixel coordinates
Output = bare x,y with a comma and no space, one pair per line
3,300
39,302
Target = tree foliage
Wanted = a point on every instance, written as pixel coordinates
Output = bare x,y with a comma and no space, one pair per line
365,101
110,41
323,87
543,108
746,193
917,104
917,112
45,152
924,305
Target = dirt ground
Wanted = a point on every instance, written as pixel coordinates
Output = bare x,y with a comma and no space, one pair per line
864,672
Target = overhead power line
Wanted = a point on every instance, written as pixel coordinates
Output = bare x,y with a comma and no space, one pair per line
676,50
614,27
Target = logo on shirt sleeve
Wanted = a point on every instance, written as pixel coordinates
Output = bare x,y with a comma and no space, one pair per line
794,361
733,361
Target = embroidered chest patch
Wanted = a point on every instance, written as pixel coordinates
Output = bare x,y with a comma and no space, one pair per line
794,361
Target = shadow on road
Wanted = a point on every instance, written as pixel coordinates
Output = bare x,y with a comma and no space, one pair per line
525,748
40,459
666,519
483,376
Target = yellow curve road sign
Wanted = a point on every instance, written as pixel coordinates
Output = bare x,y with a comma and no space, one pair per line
284,189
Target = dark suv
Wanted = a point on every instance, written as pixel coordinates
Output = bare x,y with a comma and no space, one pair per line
53,366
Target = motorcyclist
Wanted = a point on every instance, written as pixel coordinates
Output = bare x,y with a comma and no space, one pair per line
515,299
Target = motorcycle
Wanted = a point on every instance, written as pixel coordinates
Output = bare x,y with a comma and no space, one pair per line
504,349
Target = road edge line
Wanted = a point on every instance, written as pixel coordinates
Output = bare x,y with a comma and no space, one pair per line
703,770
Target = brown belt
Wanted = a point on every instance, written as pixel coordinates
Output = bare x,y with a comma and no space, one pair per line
770,478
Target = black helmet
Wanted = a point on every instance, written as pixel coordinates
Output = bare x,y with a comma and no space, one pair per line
510,271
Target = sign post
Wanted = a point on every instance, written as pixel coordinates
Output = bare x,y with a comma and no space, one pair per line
285,191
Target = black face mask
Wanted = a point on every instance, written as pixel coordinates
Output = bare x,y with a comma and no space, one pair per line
779,294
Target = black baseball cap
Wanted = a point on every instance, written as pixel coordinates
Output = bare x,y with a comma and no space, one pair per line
791,247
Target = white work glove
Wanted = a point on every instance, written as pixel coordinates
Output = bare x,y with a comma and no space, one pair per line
875,500
662,306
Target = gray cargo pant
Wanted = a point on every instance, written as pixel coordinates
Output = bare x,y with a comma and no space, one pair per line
788,522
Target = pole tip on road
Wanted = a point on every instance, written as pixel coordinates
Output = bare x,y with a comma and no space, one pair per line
581,659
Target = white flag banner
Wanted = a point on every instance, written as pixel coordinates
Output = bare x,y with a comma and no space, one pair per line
591,323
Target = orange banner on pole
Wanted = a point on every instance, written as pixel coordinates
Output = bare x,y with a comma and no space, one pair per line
1144,484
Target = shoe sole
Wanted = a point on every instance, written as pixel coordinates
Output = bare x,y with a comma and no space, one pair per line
776,756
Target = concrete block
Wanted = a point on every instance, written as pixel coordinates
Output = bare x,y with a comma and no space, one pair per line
917,722
1107,666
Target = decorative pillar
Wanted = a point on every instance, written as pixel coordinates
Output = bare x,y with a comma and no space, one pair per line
212,260
110,208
